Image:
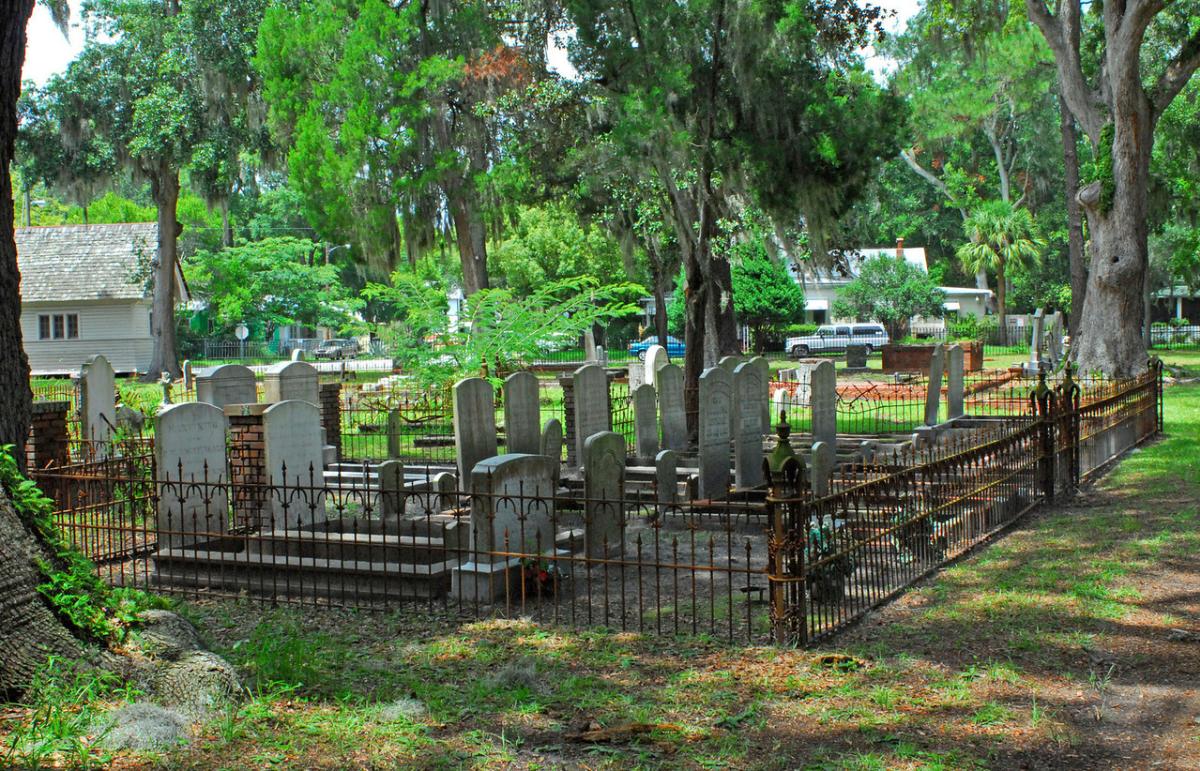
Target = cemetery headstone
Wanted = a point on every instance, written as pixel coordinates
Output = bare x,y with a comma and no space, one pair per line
552,440
1055,338
522,414
762,369
188,378
97,399
391,488
823,456
189,452
666,483
645,421
225,385
749,399
729,363
512,510
604,495
656,359
635,372
294,463
856,358
669,383
955,392
395,431
716,406
1035,343
933,392
592,406
292,380
822,398
474,425
297,354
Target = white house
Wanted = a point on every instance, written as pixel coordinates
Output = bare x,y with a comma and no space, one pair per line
84,290
821,285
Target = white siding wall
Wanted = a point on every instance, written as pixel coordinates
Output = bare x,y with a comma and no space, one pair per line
119,330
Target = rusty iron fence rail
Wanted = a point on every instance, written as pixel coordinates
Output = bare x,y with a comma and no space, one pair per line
835,558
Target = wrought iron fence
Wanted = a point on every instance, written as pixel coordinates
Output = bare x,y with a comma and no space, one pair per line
887,524
631,563
791,567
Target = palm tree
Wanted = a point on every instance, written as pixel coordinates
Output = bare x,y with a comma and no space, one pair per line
1001,236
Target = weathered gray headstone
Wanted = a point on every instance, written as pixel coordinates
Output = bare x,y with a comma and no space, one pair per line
1054,338
823,456
822,397
189,452
856,358
762,369
781,402
656,359
226,384
1035,342
522,414
635,373
294,463
669,384
604,495
188,378
645,421
97,399
391,488
954,382
290,380
666,481
297,354
474,425
592,406
552,440
933,392
749,399
716,406
512,511
395,432
729,363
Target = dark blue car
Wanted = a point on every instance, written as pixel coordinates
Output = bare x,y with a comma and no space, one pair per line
675,347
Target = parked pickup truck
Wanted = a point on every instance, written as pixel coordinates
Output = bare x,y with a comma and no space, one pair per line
833,338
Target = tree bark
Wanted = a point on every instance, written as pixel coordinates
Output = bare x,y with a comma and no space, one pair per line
29,629
14,366
226,225
471,235
1075,255
1110,326
164,189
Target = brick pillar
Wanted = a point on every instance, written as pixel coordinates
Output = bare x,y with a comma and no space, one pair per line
331,415
568,389
247,463
48,435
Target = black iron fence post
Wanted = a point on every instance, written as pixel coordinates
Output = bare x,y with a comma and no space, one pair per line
1044,399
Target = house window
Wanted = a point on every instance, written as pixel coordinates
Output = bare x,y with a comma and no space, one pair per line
59,326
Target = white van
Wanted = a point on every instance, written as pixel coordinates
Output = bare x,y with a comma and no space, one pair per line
832,338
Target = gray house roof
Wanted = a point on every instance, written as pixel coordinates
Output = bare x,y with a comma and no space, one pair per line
85,262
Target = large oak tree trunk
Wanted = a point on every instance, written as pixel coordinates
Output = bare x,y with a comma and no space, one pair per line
1110,327
164,188
471,234
15,396
29,629
1075,255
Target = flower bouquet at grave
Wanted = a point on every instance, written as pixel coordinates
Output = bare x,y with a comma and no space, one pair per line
541,577
827,581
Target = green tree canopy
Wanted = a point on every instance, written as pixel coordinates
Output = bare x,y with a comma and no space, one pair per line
271,283
891,291
1003,237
